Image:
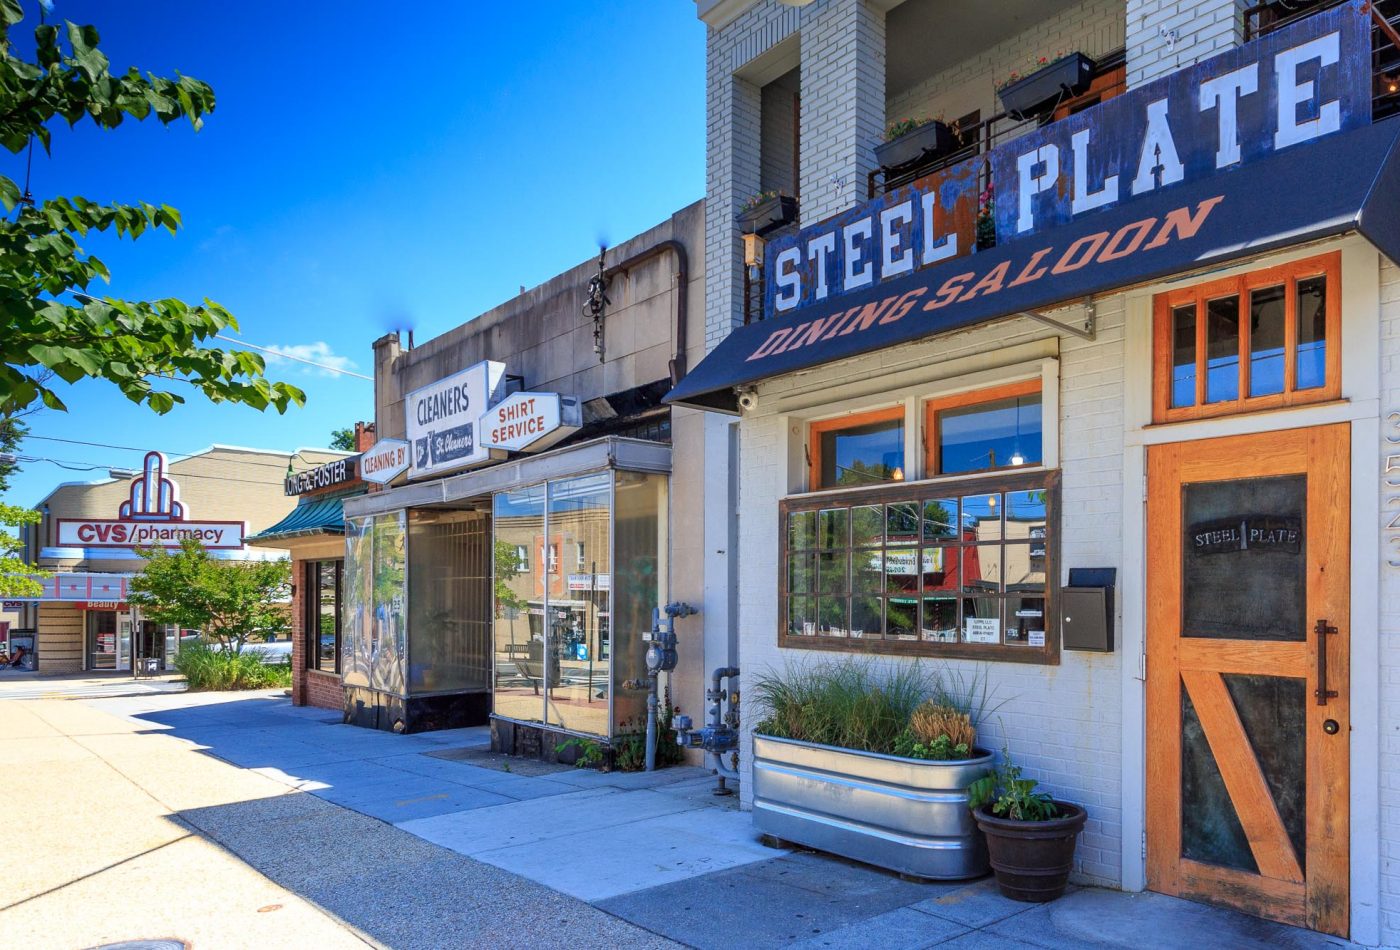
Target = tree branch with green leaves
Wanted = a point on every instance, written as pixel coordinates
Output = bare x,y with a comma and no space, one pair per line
130,344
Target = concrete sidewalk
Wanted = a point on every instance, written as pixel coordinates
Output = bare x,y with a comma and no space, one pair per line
429,840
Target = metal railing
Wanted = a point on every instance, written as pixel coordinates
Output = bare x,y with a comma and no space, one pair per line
979,139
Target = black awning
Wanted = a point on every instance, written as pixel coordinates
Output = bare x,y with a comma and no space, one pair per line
1346,182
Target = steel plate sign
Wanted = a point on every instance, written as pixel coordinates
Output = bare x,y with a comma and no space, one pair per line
442,420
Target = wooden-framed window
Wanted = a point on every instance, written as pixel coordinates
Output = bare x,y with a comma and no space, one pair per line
855,450
1262,340
984,430
954,567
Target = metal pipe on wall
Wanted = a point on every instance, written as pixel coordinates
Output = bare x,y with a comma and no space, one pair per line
677,364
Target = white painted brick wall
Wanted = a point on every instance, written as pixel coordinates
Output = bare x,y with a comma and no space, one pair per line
1166,35
1062,722
1389,631
1094,27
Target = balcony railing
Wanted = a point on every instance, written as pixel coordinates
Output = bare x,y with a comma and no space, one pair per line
980,137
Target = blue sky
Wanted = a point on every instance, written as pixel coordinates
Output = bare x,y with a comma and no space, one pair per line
369,167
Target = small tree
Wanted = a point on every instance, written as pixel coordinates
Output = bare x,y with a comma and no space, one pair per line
343,439
227,601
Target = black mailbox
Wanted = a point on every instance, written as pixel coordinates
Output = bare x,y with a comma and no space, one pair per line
1086,609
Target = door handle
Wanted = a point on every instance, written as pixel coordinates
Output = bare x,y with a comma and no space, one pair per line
1322,629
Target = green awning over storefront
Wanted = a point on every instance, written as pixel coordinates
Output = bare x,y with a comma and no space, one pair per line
306,520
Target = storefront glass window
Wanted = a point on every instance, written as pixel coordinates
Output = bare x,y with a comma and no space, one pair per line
1259,341
866,449
568,632
642,547
577,630
985,430
519,589
373,627
964,575
450,576
323,583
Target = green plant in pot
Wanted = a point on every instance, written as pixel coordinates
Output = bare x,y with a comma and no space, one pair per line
1031,836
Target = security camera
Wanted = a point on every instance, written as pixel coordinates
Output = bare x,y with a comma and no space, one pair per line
748,399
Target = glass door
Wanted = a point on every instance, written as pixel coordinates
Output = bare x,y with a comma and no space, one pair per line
1247,671
124,630
101,639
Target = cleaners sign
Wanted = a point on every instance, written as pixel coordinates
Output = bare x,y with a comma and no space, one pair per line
442,420
1293,86
530,422
151,516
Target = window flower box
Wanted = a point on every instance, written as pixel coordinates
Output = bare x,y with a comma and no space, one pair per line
765,214
928,141
1028,95
908,815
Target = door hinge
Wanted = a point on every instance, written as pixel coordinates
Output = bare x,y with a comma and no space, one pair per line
1144,843
1142,667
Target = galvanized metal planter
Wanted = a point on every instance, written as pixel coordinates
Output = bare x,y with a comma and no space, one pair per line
908,815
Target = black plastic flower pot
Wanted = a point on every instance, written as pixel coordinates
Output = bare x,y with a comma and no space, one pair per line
1068,76
769,215
1032,859
929,141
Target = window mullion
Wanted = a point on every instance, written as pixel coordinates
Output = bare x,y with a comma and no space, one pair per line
1202,363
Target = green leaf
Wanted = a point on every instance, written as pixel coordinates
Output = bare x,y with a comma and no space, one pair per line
10,12
9,191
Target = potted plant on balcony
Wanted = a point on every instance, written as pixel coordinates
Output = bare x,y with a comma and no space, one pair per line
872,766
1031,836
767,211
910,140
1025,94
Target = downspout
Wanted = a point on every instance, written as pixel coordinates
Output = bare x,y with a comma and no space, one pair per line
677,364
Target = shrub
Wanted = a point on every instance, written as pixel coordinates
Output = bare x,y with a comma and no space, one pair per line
206,669
845,703
905,710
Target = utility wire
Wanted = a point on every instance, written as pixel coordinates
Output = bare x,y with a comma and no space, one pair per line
288,356
75,466
178,456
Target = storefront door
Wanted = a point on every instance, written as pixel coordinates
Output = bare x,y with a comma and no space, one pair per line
1247,674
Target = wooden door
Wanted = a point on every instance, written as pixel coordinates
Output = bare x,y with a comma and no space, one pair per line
1248,613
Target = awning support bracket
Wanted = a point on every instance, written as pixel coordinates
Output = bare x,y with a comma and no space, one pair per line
1085,332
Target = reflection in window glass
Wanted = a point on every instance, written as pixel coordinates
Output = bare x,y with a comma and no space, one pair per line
869,454
940,623
832,616
981,515
931,581
1025,621
867,525
1266,340
982,569
802,530
520,666
640,580
802,616
981,620
576,618
867,617
902,618
1312,333
1184,355
324,618
941,519
1223,349
996,434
